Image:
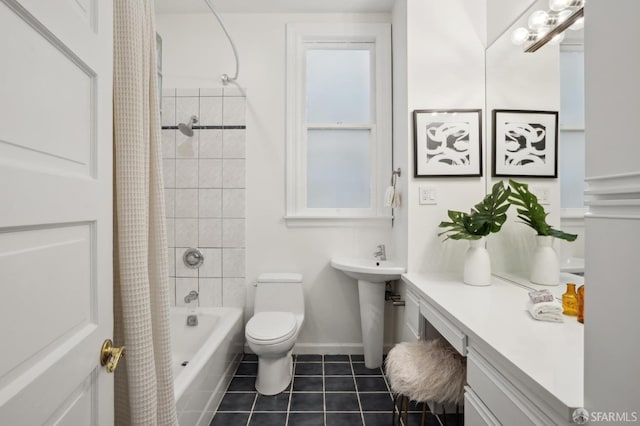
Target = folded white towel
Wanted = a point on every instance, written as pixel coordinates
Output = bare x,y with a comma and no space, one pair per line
546,311
388,196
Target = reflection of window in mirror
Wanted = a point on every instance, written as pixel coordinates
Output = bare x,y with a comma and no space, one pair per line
572,141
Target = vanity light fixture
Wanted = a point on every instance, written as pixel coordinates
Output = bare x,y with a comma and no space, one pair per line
549,26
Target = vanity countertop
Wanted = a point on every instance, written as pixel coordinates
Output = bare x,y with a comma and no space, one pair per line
551,354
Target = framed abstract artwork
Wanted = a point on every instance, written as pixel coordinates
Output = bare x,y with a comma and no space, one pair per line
447,142
525,143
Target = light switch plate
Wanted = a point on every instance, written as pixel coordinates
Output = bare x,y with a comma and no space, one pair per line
542,192
428,195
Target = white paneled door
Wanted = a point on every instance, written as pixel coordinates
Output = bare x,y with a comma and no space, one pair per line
55,211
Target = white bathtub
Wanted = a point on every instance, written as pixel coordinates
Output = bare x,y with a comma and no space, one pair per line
205,358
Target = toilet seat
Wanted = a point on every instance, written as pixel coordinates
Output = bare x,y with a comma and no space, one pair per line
268,328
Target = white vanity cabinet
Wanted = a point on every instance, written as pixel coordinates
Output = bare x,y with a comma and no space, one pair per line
519,371
412,320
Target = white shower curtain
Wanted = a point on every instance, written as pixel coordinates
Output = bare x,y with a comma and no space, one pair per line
144,383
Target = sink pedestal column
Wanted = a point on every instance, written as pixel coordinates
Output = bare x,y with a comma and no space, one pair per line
372,319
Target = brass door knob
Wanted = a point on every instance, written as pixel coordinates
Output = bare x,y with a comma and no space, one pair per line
110,355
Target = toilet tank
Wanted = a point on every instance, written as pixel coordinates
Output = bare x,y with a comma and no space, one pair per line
280,292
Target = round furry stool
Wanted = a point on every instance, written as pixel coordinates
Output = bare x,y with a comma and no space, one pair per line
426,371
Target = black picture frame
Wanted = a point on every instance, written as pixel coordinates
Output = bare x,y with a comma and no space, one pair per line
447,142
525,143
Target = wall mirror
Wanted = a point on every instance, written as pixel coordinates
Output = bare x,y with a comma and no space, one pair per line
551,79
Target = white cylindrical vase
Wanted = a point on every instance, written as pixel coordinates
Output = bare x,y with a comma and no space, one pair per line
477,264
545,267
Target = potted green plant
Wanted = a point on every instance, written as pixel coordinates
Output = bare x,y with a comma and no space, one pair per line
545,268
485,218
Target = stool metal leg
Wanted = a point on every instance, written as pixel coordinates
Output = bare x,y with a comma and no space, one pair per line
393,416
444,416
424,413
405,400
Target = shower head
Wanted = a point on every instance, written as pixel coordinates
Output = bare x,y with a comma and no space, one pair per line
187,129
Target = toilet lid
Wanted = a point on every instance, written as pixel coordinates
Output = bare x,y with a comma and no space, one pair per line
271,326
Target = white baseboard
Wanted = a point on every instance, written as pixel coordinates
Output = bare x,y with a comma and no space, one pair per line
328,348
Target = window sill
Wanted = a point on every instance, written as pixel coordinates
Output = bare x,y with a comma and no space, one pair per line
338,222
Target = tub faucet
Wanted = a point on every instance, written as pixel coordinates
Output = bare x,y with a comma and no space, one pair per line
381,253
193,295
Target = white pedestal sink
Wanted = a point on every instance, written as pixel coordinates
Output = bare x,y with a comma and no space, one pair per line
371,275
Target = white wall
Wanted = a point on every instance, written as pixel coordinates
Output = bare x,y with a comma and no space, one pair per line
195,53
445,63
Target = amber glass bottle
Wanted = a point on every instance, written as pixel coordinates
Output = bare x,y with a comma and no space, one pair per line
581,304
570,300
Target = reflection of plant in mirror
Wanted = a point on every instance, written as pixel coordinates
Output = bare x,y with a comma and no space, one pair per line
485,217
532,213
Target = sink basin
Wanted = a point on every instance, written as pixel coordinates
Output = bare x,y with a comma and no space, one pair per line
372,270
371,275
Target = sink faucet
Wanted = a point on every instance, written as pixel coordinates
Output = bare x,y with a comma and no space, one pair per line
193,295
381,253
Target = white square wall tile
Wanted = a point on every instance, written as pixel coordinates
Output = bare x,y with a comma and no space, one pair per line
211,111
168,143
168,111
187,203
186,233
212,265
187,146
171,261
210,173
169,202
233,173
233,203
168,92
234,292
181,269
234,111
171,232
188,92
233,143
233,233
210,143
210,203
210,293
186,174
210,232
185,286
233,263
169,173
186,107
235,91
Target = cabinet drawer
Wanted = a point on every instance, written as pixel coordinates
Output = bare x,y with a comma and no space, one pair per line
412,313
502,398
475,412
446,328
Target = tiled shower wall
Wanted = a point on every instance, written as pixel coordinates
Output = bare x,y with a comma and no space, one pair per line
204,179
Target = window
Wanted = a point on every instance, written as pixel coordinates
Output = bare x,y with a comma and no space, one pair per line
572,140
338,120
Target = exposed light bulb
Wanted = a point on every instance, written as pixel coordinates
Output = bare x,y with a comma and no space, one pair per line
519,36
578,25
558,5
560,17
538,19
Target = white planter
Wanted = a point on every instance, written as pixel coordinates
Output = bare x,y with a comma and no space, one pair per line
477,264
545,267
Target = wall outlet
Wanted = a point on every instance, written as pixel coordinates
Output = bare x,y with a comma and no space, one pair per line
428,195
542,192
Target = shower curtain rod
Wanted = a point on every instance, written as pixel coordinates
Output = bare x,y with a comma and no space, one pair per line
225,77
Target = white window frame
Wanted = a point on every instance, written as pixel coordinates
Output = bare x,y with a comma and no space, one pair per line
300,37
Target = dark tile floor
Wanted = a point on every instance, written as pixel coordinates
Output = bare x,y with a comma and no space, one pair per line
329,390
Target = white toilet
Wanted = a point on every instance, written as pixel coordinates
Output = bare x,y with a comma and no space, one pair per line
274,328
